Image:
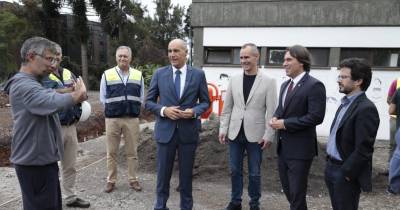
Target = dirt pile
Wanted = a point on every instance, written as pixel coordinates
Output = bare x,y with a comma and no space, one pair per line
91,128
3,99
211,163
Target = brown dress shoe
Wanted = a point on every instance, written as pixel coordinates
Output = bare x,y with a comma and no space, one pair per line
109,187
136,186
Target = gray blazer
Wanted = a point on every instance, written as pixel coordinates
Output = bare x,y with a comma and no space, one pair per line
255,113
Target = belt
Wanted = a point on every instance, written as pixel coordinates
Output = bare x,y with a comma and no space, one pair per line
333,160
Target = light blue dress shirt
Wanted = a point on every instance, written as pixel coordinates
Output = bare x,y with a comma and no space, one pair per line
331,148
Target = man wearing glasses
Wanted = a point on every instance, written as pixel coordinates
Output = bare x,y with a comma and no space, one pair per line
37,139
352,137
62,81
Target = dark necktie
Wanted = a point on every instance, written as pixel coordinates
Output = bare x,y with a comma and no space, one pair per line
289,89
178,83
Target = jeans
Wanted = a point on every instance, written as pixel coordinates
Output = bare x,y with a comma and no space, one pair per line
237,150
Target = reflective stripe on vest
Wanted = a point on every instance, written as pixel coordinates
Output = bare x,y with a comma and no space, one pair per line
113,78
67,77
122,98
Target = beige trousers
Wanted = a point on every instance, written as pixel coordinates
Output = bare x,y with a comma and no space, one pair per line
68,169
129,128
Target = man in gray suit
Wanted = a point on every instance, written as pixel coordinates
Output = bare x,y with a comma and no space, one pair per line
249,104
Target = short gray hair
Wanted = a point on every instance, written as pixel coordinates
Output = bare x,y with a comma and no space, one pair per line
124,47
36,45
58,48
253,47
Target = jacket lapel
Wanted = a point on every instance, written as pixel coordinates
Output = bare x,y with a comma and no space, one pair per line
240,88
171,84
188,78
297,88
350,110
283,88
257,81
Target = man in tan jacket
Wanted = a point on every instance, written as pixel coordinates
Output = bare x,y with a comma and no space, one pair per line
250,103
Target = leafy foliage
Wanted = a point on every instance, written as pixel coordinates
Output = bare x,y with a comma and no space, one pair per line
13,30
123,21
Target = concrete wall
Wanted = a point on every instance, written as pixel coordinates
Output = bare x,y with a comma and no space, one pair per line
262,13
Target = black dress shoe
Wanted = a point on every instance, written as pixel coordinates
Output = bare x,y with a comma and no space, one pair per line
232,206
79,203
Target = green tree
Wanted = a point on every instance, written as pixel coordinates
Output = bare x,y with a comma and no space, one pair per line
82,32
13,31
167,23
51,19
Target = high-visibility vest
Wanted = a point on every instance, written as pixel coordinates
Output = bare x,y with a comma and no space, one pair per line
71,115
122,99
67,78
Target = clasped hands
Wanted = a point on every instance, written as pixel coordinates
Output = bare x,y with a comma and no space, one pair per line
276,123
174,113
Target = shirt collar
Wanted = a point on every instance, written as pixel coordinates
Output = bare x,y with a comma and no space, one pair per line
120,70
183,69
298,78
349,99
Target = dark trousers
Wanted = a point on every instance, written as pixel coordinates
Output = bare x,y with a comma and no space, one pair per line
344,194
165,164
237,150
40,187
294,176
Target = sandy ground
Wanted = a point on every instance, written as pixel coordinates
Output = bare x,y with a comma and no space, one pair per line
211,185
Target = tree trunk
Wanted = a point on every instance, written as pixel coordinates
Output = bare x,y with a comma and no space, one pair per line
85,73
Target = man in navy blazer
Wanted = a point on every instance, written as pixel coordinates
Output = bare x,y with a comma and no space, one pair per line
352,137
302,102
178,95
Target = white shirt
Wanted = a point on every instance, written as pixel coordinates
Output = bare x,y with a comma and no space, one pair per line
295,81
183,80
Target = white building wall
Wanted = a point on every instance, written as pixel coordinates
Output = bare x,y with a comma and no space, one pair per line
357,37
371,37
377,92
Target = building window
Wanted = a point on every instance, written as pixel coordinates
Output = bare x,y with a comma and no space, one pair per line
319,56
215,55
236,55
376,57
275,56
218,56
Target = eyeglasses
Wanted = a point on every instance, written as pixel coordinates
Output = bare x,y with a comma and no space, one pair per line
52,60
342,77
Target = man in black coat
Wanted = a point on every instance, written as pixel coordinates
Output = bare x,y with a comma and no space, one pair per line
352,137
302,102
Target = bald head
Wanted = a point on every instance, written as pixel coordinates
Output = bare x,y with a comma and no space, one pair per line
179,42
177,51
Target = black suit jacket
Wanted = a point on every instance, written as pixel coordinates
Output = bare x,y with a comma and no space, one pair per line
304,109
355,140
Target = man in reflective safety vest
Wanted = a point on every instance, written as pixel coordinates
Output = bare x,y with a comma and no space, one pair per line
121,92
62,80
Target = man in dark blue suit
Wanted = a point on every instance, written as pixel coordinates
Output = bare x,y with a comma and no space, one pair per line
178,95
352,137
302,102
